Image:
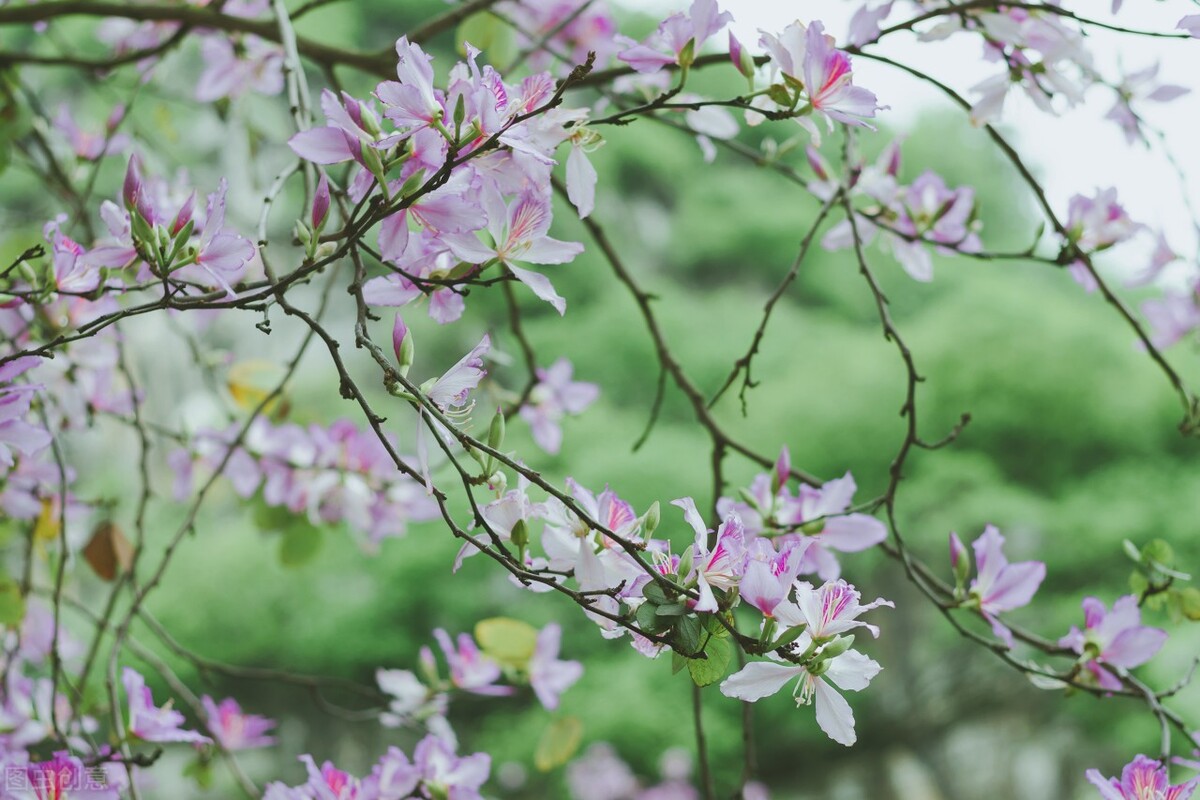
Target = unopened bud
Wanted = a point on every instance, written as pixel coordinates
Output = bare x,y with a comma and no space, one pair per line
496,431
520,534
960,560
838,646
402,344
651,519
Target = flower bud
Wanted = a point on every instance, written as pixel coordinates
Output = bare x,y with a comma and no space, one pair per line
783,470
685,562
838,646
520,534
132,189
496,431
741,59
402,344
960,560
320,207
651,519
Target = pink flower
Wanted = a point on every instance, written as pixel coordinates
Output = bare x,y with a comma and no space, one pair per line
62,777
1141,779
827,80
1172,317
230,72
1115,638
554,397
234,729
451,390
222,256
831,610
412,103
1098,222
470,670
321,201
91,146
822,515
445,774
147,721
1000,586
769,575
1136,87
549,676
676,34
720,567
518,232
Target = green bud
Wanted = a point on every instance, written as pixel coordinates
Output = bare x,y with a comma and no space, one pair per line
685,562
838,646
496,431
651,519
301,232
520,534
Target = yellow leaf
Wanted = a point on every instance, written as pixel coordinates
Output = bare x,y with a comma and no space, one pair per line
251,382
46,528
559,742
509,641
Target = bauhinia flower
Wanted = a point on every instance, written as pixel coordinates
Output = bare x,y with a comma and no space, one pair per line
234,729
470,669
1141,779
678,38
518,232
1000,586
553,397
827,662
769,575
1113,639
720,567
149,722
1098,222
548,675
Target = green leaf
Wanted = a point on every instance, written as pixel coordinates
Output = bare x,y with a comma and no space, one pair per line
688,631
678,662
509,641
705,671
491,35
299,545
648,619
12,603
671,610
655,594
558,743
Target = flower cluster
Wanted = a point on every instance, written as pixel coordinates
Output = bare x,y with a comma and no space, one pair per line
332,474
492,144
907,219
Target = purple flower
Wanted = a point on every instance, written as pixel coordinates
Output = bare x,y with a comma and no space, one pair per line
62,777
1135,87
15,433
470,670
822,515
1172,317
234,729
1114,638
549,676
445,774
321,202
1000,586
147,721
230,72
1141,779
554,397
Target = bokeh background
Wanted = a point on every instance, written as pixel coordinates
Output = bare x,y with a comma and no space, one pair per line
1073,448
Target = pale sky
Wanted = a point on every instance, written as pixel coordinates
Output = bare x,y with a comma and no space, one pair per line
1077,151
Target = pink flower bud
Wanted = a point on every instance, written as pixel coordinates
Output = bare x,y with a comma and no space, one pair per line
185,214
960,559
132,190
402,344
783,469
320,207
740,58
816,162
